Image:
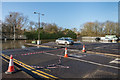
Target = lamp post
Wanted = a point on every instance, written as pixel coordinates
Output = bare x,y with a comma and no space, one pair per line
14,27
38,42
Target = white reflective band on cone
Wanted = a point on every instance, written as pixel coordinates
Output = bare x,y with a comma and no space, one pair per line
11,62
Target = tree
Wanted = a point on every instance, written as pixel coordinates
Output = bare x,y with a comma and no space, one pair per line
69,33
17,20
100,29
51,28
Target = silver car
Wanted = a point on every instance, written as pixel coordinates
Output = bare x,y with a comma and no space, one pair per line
65,40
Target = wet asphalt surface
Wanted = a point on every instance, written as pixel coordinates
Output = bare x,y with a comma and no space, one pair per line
111,48
81,65
18,74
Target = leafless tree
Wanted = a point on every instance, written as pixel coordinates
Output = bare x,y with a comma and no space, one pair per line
100,29
15,20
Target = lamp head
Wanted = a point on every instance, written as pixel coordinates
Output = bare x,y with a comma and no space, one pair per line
42,14
35,12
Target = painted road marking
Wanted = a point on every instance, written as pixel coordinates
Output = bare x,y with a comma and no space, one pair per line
114,49
95,63
38,72
16,67
72,50
46,73
96,47
75,55
102,46
5,60
116,61
30,69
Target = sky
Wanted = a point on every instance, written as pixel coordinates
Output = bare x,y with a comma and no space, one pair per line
60,0
64,14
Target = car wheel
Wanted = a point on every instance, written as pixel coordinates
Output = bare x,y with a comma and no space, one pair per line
65,43
57,43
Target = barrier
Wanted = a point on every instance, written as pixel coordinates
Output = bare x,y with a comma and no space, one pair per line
35,52
56,65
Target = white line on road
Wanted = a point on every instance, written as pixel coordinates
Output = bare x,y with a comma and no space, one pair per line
96,47
115,61
102,46
95,63
87,61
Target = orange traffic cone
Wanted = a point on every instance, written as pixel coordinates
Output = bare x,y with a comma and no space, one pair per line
83,48
11,66
66,55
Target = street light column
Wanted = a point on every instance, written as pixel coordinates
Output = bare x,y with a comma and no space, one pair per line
14,32
39,26
38,41
13,26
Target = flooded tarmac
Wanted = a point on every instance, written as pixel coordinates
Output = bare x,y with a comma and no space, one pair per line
11,44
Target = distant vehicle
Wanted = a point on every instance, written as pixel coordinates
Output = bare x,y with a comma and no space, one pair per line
111,37
65,40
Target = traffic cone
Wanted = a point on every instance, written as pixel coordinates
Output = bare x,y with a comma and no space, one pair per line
11,66
83,48
113,40
66,55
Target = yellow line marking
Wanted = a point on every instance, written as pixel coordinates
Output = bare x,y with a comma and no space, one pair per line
5,60
40,74
16,61
46,73
26,68
18,68
103,53
114,49
37,70
26,65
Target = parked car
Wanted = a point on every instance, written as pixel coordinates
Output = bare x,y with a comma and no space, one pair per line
65,40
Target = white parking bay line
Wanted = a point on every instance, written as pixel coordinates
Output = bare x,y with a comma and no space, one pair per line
95,63
115,61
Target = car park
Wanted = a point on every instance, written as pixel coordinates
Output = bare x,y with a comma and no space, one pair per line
65,40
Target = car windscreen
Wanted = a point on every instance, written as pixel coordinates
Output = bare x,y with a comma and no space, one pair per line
67,39
60,39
